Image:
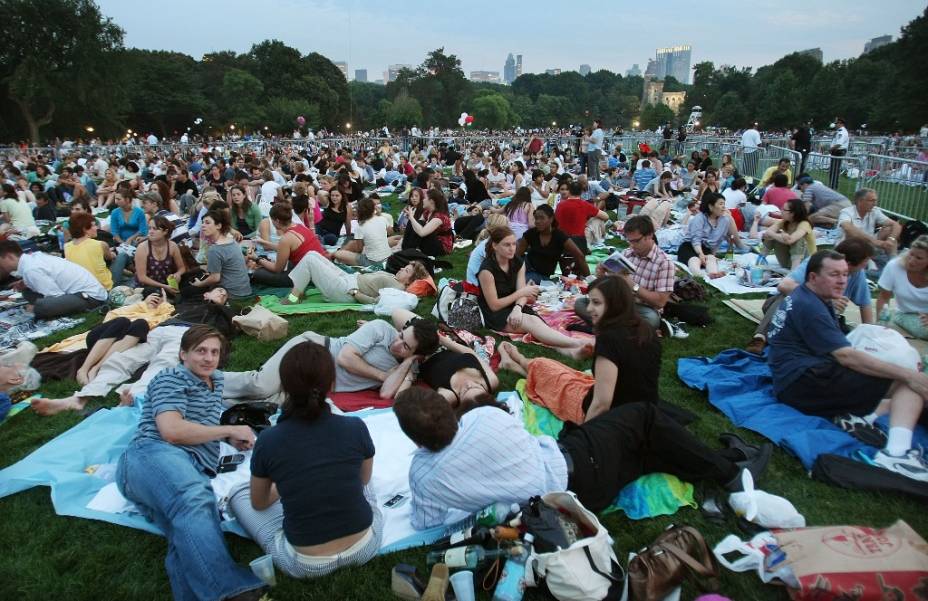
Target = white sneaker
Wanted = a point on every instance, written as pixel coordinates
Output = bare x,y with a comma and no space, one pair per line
911,465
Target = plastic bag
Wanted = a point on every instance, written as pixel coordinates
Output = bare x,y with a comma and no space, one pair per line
391,298
886,345
761,554
763,508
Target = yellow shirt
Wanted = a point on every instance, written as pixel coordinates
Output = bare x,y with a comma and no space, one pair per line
89,255
768,176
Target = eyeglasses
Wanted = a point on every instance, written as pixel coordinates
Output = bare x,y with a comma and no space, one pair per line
634,241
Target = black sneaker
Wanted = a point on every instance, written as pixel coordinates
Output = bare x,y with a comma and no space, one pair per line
859,428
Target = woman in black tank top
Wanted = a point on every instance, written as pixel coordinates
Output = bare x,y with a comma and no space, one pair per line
457,373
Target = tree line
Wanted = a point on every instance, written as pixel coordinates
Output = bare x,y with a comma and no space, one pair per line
64,69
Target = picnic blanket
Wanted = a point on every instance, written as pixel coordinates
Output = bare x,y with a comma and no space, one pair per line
356,401
313,302
730,284
740,385
557,319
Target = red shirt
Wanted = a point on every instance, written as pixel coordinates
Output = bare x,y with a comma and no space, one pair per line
572,215
310,242
778,196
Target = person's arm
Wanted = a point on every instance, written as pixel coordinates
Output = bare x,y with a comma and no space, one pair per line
424,230
398,379
141,268
263,493
800,232
579,260
174,429
401,317
264,235
884,297
210,280
488,290
352,361
178,261
114,226
283,255
607,375
867,315
787,285
522,246
367,470
108,253
773,230
869,365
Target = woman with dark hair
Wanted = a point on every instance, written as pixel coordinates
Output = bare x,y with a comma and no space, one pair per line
476,193
158,262
224,261
85,250
791,238
166,470
519,212
544,245
372,235
709,185
416,196
504,296
704,235
779,192
432,232
166,192
516,178
335,215
310,504
246,215
295,242
626,360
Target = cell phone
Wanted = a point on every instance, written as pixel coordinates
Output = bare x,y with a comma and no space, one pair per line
395,501
230,463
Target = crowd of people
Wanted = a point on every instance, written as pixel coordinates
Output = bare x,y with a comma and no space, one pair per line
196,229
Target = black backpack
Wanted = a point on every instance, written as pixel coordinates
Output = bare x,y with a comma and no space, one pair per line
401,259
910,231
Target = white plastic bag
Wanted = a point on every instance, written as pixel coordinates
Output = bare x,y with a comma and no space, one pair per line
885,344
763,508
761,554
391,298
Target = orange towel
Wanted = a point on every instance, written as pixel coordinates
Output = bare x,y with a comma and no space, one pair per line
558,388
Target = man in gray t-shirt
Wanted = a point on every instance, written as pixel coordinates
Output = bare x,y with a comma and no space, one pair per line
364,359
823,203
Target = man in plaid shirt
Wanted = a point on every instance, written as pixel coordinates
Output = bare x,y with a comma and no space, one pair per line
652,281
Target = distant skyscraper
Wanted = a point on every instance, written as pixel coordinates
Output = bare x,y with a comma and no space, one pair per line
552,71
343,67
815,53
509,70
394,70
877,42
635,71
518,65
584,69
674,61
485,76
651,70
360,75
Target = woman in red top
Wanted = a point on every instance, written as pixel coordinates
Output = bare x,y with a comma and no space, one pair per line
432,233
573,213
295,241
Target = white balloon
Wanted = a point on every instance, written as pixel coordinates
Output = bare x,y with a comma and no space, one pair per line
461,122
463,116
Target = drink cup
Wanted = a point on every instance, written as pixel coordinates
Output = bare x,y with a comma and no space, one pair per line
263,568
463,585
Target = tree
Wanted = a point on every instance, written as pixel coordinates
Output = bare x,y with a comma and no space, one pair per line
730,111
241,92
655,115
404,112
280,114
163,90
54,49
492,111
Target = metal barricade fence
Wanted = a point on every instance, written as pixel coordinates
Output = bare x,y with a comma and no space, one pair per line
901,185
850,168
772,156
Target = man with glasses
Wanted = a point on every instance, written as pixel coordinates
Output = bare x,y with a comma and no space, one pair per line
376,355
865,220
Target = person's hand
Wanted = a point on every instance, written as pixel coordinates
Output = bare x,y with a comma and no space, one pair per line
628,279
840,304
250,263
241,437
923,318
702,259
532,290
515,317
10,376
154,299
18,285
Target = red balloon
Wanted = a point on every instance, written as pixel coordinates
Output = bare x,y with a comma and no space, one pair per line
469,119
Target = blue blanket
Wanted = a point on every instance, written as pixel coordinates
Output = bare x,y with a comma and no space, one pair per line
740,385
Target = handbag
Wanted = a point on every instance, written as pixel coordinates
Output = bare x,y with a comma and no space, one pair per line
678,553
464,313
261,323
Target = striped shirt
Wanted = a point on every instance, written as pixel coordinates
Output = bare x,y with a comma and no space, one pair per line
177,389
492,458
654,271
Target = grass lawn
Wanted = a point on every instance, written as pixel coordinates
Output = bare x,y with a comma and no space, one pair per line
51,557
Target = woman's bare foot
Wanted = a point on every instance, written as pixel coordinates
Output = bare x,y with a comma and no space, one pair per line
507,351
125,398
53,406
584,351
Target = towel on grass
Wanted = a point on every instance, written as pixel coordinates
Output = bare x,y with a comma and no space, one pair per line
313,302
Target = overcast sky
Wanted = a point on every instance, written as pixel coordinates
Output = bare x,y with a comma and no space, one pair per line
604,34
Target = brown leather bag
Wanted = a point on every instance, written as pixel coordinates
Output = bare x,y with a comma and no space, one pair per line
678,553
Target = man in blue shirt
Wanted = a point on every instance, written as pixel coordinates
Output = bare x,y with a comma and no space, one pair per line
817,371
644,175
857,253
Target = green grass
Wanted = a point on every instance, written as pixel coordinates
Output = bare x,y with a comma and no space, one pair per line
52,557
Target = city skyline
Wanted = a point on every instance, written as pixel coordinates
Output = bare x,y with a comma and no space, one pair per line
351,33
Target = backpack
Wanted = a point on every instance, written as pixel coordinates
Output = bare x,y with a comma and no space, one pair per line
687,289
910,231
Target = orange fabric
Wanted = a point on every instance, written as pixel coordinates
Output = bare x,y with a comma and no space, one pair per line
422,288
557,388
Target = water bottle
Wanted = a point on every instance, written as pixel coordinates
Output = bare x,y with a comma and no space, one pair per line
511,584
757,272
466,557
496,514
59,233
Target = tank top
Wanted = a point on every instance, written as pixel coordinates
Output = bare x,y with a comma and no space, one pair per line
310,242
160,270
438,369
332,221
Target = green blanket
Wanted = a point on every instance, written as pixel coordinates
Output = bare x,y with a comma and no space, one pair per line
312,303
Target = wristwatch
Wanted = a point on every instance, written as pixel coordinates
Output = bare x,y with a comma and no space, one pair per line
636,288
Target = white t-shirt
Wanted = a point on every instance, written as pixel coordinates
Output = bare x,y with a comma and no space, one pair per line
909,299
374,234
19,212
867,224
269,191
734,199
750,140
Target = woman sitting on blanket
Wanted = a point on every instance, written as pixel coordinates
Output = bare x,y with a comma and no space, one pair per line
544,245
906,278
339,286
504,296
309,503
626,360
704,235
373,247
296,240
457,373
791,238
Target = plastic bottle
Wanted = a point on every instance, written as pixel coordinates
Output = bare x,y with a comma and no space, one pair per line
467,557
59,233
511,584
757,270
496,514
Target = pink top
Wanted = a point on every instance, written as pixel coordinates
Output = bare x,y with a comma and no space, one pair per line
778,196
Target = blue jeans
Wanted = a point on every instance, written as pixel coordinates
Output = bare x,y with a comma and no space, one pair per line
121,261
170,490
